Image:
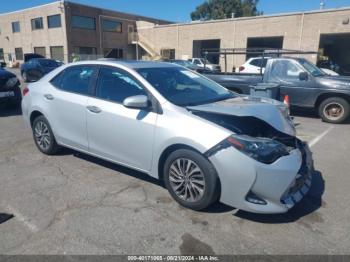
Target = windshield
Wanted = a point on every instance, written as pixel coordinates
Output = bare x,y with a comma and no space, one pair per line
311,68
183,87
48,63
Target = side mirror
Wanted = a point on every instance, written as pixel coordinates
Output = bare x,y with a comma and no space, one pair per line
137,102
303,76
3,64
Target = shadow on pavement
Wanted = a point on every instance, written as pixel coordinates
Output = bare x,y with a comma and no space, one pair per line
311,202
215,208
112,166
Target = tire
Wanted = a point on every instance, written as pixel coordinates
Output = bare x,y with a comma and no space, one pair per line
204,178
334,110
43,136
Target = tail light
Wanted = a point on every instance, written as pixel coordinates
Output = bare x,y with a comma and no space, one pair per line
25,91
241,68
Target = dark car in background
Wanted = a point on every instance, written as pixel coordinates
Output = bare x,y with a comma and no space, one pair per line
10,92
36,68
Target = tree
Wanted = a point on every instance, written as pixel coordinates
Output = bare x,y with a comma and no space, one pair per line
220,9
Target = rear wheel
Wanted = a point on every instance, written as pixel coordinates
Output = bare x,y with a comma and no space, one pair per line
191,179
334,110
43,136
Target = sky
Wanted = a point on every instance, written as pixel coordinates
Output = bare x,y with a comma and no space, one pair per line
178,10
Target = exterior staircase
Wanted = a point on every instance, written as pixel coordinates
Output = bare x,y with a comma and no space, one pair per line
136,39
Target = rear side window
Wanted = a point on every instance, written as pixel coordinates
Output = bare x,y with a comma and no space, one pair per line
75,79
257,62
115,85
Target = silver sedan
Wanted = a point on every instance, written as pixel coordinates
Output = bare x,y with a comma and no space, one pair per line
206,143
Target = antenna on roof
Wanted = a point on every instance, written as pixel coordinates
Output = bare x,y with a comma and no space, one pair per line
322,4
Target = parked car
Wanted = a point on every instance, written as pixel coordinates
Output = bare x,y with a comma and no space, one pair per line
184,63
10,92
329,72
253,66
257,65
344,70
328,64
36,68
190,66
205,142
29,56
205,64
306,85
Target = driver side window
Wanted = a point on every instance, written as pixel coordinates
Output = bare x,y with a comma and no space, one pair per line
115,85
284,70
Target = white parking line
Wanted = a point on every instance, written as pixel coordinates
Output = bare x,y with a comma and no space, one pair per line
23,219
319,137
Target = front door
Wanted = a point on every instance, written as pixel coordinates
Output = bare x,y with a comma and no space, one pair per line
115,132
286,72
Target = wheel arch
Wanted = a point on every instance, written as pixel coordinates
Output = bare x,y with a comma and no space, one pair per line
325,96
172,148
34,114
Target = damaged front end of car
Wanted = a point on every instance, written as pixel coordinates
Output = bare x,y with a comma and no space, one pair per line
269,165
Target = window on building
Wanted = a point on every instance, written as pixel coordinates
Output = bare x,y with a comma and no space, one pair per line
113,53
75,79
56,53
112,26
168,53
19,53
37,23
83,22
41,50
54,21
115,85
16,27
1,54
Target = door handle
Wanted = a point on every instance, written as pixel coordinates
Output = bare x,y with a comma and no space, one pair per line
94,109
49,96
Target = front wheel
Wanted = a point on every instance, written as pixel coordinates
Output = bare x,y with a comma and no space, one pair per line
43,136
191,179
334,110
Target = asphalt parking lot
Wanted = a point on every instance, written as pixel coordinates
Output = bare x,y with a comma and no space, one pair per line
76,204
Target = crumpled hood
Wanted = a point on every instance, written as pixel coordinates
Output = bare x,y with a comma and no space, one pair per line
267,110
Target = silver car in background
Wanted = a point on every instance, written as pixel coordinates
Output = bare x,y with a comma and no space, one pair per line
207,143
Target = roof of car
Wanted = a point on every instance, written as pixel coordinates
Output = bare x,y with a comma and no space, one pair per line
133,64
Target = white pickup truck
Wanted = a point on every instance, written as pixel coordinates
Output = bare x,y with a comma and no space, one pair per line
202,62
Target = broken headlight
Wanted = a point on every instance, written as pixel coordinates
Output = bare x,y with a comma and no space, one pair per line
264,150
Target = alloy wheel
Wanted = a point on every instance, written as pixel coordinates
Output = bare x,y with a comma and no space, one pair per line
187,180
42,135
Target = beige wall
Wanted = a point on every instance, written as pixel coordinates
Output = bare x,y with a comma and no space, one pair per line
28,39
300,31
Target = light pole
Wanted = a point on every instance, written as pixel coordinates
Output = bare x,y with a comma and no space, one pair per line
322,4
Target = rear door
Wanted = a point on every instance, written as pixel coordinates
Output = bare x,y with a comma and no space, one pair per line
67,104
115,132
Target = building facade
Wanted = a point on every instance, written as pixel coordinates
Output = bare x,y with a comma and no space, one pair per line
324,31
62,29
